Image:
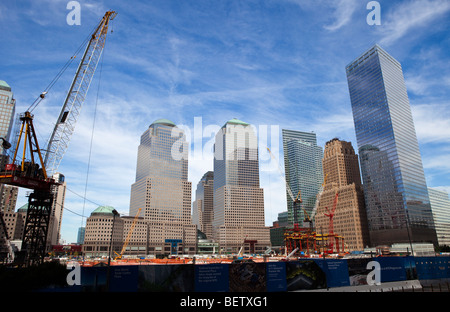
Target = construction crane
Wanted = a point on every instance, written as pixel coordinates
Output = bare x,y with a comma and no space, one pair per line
38,176
330,214
65,125
130,232
296,199
319,194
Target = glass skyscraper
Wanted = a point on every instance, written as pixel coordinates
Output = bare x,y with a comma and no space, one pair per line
397,202
440,205
203,206
303,170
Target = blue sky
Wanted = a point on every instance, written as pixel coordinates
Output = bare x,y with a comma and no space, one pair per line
278,63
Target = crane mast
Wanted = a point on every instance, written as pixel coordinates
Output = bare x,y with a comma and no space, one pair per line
65,125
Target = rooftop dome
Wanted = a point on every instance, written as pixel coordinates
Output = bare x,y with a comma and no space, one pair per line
24,208
236,121
103,210
163,121
4,86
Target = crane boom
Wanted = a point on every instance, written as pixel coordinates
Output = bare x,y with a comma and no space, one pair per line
127,240
65,125
288,188
313,213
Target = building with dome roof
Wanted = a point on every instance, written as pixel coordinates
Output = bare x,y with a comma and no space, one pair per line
99,227
161,188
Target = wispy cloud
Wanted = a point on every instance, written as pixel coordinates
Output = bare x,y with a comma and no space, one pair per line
343,12
412,17
432,122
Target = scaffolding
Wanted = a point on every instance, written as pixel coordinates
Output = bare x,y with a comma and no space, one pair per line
309,242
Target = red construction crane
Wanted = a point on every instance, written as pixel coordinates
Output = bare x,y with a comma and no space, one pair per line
330,215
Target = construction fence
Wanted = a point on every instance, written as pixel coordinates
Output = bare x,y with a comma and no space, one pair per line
307,274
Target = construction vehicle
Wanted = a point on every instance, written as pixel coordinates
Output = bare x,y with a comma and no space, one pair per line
37,176
127,240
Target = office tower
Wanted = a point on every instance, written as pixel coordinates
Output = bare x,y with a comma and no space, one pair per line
397,202
277,231
8,194
203,206
59,193
80,235
8,198
7,109
303,168
341,167
161,189
440,206
238,199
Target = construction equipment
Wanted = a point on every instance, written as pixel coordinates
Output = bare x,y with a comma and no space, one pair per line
65,125
130,232
331,233
319,194
295,200
38,178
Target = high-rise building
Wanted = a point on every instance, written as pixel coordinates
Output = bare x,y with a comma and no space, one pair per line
277,231
59,194
7,109
8,194
238,199
161,189
341,167
80,235
303,170
440,205
397,202
8,198
203,206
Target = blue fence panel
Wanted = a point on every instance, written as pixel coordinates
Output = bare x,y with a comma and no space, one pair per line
336,271
211,278
276,276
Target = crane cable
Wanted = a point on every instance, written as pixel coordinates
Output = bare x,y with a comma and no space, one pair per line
60,73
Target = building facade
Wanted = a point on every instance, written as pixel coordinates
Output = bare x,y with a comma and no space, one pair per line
203,205
7,111
440,205
104,233
341,167
238,199
397,202
161,190
59,193
303,169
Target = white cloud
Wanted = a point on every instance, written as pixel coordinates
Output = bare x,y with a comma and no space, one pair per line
432,122
411,16
343,11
